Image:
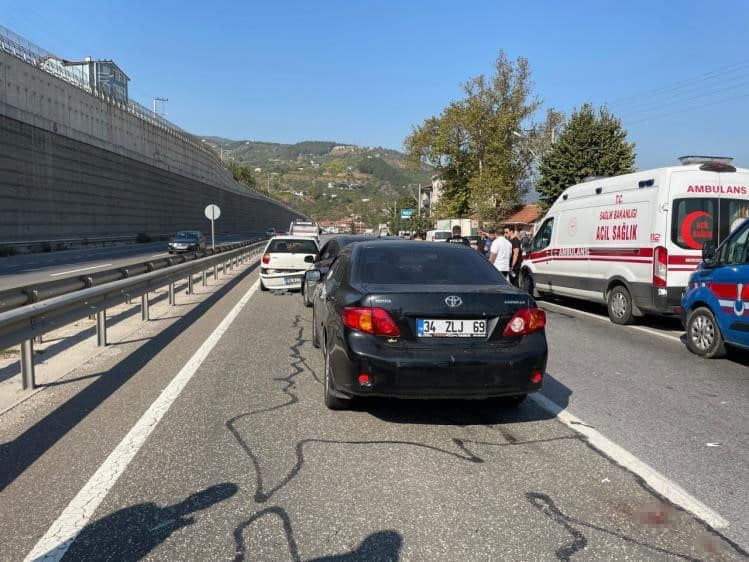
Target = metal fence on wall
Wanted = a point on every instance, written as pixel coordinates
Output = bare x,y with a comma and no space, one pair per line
22,48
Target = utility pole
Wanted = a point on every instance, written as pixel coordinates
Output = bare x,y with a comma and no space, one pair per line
162,100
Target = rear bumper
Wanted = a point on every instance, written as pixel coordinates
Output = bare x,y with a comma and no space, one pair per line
443,373
278,280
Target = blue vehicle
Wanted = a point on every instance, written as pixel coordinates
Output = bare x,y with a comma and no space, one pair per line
716,301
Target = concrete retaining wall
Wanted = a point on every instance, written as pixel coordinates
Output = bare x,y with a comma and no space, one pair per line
73,164
52,186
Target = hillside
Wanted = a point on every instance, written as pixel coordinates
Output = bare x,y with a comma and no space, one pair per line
324,179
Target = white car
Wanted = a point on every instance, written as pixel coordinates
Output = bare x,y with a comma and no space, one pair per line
285,260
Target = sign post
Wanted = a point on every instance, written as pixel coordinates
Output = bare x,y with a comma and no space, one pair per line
212,213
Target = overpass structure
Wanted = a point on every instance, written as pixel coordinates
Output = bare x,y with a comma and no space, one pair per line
79,161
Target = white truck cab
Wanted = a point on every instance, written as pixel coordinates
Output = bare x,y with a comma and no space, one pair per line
631,241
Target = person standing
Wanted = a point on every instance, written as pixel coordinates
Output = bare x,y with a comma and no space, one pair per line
456,238
485,244
500,253
517,255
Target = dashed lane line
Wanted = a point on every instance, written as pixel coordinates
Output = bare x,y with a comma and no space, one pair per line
57,540
662,485
552,306
79,269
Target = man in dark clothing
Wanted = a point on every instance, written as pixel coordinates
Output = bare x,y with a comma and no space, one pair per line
456,238
517,255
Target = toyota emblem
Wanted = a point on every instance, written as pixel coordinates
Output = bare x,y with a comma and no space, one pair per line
452,301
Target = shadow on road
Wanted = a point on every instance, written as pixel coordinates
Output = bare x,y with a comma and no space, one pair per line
20,453
465,412
133,532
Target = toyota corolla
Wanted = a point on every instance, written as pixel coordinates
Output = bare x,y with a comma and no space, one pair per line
429,321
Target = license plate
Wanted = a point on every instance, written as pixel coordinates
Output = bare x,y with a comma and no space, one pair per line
292,280
428,328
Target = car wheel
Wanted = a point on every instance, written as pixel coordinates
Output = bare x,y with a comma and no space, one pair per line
315,337
703,334
263,287
305,296
620,305
332,401
527,284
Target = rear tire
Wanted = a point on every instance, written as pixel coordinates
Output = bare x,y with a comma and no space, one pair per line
332,401
305,298
527,284
703,334
315,337
620,305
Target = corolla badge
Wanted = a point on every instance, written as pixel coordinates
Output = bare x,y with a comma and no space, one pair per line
453,300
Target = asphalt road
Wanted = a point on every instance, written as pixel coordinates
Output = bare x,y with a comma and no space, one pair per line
248,464
26,269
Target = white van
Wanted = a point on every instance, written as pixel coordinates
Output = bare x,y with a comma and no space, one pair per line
438,235
631,241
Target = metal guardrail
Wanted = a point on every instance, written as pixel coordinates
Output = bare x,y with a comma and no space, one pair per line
20,296
26,322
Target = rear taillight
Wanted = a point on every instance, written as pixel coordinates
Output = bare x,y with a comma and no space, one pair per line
374,321
660,266
525,321
266,258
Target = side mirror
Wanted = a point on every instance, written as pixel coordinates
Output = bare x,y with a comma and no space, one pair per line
309,259
312,276
708,251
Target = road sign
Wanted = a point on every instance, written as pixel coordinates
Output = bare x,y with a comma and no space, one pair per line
407,213
212,212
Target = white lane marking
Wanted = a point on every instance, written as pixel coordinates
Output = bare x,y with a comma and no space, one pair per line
159,255
662,485
81,269
670,336
57,540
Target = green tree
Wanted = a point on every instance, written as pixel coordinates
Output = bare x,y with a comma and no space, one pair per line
243,174
473,145
590,144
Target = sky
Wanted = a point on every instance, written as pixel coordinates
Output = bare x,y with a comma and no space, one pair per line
676,73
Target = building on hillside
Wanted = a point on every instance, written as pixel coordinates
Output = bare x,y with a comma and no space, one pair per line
102,76
524,218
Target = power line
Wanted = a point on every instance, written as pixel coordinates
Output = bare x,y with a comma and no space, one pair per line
680,84
686,109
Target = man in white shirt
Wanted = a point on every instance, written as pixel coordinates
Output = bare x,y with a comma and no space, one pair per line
500,253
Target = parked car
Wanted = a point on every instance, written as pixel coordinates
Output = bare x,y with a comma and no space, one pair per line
440,322
284,261
632,241
186,241
324,258
715,304
438,235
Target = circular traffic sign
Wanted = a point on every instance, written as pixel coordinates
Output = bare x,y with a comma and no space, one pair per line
212,212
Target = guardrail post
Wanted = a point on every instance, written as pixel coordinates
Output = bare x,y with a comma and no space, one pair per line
28,380
215,271
144,303
101,328
172,300
203,276
189,284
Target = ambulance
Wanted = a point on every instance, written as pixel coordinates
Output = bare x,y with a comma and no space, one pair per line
632,241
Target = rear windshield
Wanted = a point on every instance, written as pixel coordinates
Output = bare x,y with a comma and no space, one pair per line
438,264
699,219
292,247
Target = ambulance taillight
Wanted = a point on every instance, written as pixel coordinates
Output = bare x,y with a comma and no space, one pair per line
660,266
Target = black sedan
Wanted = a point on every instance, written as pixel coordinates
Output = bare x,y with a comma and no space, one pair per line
327,254
431,320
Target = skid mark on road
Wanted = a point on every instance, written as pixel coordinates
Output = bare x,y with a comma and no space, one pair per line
460,449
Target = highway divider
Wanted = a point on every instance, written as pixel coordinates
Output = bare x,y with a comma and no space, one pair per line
52,305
